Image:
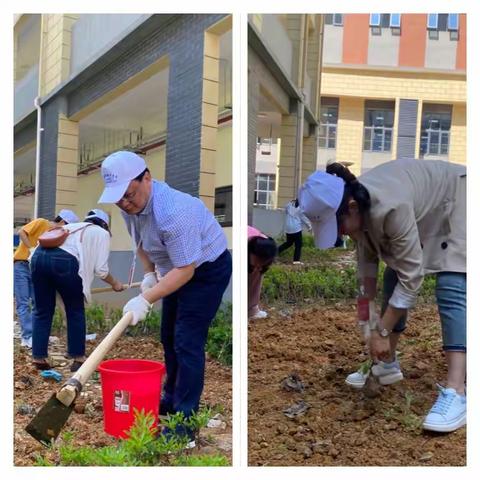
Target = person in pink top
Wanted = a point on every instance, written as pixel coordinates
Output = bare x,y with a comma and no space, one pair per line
261,253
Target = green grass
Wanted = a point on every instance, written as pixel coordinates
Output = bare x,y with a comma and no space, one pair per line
142,448
328,275
100,319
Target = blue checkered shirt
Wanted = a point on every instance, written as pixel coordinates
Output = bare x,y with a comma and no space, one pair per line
176,229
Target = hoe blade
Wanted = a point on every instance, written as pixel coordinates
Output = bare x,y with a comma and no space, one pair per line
49,421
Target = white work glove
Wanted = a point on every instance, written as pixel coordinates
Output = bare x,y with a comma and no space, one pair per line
139,307
149,281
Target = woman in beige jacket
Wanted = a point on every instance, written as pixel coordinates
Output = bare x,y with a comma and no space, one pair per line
412,215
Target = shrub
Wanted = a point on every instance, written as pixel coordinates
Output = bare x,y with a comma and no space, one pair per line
219,341
327,282
142,448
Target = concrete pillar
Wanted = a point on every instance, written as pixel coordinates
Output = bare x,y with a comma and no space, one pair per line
67,163
208,144
52,112
287,186
253,109
309,157
395,128
350,132
55,50
457,151
418,131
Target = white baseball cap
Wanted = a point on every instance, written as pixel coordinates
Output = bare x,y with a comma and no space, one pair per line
96,212
68,216
319,198
118,170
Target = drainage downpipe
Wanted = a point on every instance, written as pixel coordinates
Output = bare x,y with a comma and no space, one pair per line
37,154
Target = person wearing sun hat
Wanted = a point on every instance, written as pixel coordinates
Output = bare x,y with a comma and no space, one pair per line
22,277
412,215
69,270
175,234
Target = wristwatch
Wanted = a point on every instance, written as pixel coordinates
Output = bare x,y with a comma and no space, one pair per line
384,332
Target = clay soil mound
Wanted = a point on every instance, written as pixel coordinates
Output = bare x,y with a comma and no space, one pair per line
342,426
31,391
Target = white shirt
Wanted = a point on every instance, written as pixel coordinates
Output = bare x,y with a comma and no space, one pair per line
91,252
294,218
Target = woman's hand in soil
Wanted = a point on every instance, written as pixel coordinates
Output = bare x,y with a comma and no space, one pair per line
379,346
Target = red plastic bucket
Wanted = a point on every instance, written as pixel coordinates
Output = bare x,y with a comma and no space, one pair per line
128,385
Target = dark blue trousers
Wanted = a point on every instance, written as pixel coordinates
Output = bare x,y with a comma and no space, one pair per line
55,270
186,317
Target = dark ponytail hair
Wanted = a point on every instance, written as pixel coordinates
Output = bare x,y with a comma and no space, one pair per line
353,189
99,222
264,248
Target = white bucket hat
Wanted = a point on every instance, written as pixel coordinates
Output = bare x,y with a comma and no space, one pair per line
319,198
68,216
96,212
118,170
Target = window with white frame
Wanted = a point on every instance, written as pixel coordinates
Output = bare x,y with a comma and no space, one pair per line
327,131
395,20
378,126
334,19
264,190
375,19
385,20
435,134
338,19
264,145
442,22
432,21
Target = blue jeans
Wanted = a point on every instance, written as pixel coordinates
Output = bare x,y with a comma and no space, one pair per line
186,317
23,291
54,270
451,293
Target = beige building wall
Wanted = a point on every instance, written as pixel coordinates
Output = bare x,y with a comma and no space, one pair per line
350,132
354,86
55,50
286,167
67,158
385,84
458,135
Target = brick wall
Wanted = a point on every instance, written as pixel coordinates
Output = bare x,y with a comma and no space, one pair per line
390,85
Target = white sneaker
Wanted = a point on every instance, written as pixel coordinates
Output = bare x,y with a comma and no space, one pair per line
386,373
448,413
26,342
298,263
259,315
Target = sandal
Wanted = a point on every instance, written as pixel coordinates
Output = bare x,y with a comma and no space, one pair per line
41,365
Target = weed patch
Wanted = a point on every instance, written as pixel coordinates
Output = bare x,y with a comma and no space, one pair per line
143,447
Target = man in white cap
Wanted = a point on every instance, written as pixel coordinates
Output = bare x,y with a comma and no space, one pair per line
22,278
175,234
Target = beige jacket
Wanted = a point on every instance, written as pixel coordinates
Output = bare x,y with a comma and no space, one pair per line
416,224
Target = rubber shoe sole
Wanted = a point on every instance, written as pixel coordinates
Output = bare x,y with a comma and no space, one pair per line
382,380
447,427
389,379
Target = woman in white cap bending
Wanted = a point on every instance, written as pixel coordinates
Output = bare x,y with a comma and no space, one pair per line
412,215
69,270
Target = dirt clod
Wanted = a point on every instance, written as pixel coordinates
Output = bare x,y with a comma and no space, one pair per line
343,425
